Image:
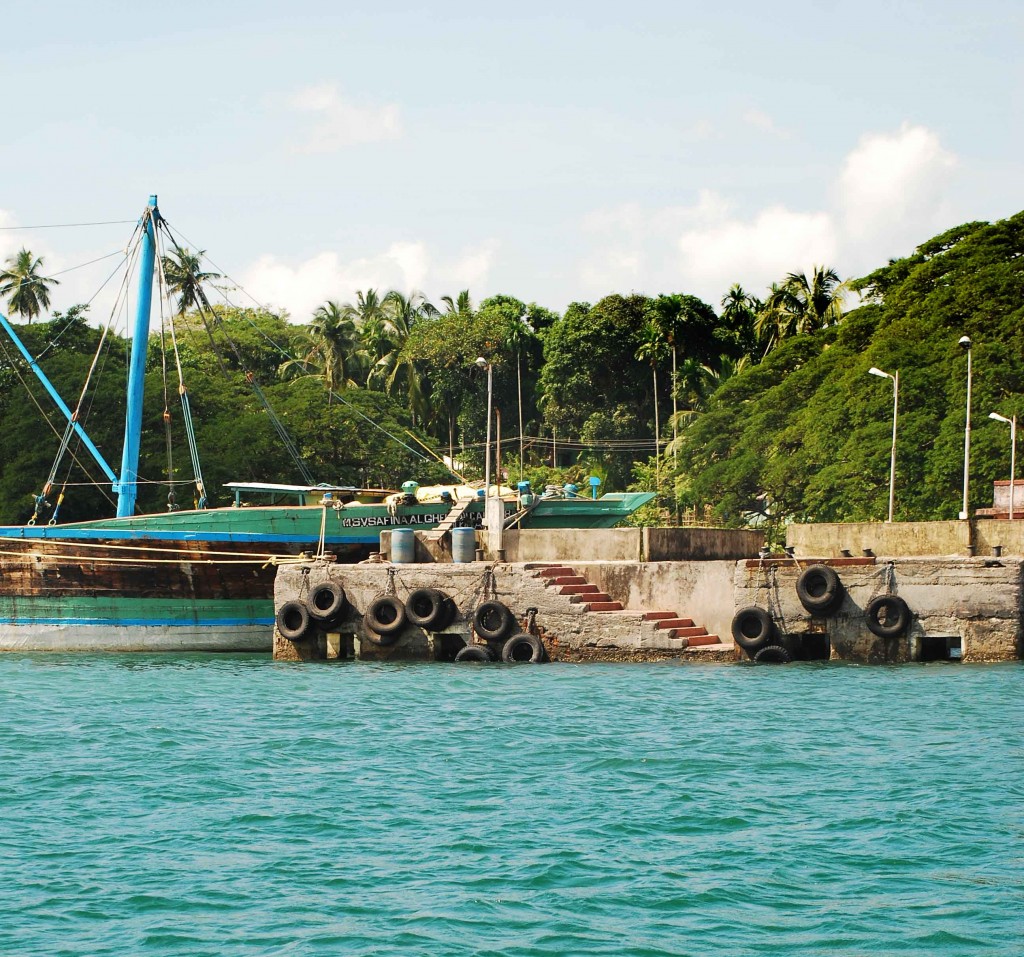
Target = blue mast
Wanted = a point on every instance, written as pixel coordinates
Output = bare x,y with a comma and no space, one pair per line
127,487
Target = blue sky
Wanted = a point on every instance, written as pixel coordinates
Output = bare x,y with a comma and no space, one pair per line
553,151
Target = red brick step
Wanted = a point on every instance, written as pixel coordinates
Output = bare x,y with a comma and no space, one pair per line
604,605
675,623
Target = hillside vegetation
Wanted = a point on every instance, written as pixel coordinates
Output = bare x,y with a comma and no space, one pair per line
761,410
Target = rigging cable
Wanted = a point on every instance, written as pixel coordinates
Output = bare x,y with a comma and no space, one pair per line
186,406
203,307
69,430
288,355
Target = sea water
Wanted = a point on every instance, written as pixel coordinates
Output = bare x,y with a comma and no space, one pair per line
234,806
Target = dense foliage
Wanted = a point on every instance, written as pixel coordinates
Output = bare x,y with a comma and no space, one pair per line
762,412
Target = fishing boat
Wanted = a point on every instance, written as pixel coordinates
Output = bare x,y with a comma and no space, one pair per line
202,579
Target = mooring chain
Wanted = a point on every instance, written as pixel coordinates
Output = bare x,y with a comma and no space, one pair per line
389,588
531,621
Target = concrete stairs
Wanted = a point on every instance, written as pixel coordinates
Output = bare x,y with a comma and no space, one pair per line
659,630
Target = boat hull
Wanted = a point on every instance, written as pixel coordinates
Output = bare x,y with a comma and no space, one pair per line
197,581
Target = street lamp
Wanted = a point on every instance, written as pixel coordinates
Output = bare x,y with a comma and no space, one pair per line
895,408
1013,450
482,363
965,343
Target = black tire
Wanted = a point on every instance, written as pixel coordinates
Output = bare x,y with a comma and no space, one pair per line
888,616
752,627
384,619
523,649
293,620
493,621
327,603
819,589
429,608
773,655
479,653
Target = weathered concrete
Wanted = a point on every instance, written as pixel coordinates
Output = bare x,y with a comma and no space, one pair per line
976,602
979,536
698,590
884,539
604,544
568,629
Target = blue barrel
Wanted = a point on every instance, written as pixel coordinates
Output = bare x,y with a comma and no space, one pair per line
463,544
403,546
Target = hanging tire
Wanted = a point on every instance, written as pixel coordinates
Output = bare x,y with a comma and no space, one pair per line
493,621
819,589
479,653
384,619
327,603
523,649
293,620
888,616
751,628
773,655
429,608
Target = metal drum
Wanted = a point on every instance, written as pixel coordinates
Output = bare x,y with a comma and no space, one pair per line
403,546
463,544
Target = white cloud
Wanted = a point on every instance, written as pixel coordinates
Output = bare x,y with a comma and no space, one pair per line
892,185
888,194
776,241
761,121
340,122
405,266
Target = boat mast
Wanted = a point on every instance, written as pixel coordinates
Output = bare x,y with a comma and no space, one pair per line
127,487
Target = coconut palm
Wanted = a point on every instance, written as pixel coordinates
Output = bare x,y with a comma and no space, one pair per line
653,349
26,291
801,305
185,276
395,368
335,352
461,305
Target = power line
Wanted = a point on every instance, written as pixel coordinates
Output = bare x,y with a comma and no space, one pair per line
109,222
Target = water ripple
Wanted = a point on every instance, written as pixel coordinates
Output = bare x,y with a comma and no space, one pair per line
228,805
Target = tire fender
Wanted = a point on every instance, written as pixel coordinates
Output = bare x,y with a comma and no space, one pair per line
888,616
429,608
293,620
819,589
523,649
326,603
751,628
773,655
492,620
479,653
384,619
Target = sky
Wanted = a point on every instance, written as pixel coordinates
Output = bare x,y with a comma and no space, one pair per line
552,151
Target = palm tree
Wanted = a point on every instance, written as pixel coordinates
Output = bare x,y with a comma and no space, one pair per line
335,349
462,305
653,349
800,305
26,291
184,274
395,367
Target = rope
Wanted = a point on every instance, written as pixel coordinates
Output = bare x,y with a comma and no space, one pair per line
110,560
109,222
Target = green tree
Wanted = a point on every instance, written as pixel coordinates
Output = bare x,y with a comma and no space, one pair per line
185,277
336,352
26,291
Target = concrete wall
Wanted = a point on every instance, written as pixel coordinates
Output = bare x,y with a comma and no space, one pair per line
566,626
827,540
977,600
979,536
698,590
615,544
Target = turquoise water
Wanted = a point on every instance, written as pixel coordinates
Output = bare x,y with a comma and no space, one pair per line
234,806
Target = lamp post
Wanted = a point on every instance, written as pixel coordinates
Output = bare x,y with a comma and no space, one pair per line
895,408
965,343
1013,450
482,363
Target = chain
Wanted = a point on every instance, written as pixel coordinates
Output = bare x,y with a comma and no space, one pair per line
531,621
389,588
